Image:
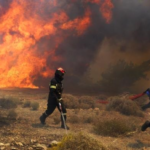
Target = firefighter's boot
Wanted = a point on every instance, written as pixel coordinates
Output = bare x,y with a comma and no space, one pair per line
145,125
63,123
63,126
43,118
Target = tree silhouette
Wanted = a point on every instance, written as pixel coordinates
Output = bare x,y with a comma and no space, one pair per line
121,76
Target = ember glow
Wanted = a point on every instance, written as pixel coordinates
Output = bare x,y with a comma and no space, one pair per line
24,28
106,9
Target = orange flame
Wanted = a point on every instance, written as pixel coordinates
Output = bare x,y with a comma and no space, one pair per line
20,64
21,28
79,24
106,10
106,7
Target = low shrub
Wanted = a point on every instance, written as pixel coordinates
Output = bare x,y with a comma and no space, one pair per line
83,102
142,102
87,102
8,103
71,101
78,141
74,119
89,119
27,104
12,115
124,106
35,106
84,106
114,127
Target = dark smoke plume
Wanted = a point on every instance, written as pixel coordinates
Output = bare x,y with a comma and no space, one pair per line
130,27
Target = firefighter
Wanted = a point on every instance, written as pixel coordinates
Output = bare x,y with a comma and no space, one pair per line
147,123
55,98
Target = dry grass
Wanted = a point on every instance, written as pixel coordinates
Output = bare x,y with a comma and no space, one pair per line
27,104
114,127
71,102
83,102
7,117
89,119
124,106
141,101
56,120
35,105
80,116
87,102
12,115
78,141
27,126
74,119
9,102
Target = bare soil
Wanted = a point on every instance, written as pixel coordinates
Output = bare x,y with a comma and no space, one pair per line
27,128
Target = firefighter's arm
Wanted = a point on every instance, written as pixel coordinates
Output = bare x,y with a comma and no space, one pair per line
53,88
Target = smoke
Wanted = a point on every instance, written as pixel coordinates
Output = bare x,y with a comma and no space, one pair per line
126,37
77,51
130,24
5,4
83,36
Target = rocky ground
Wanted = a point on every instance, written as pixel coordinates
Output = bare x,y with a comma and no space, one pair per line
26,133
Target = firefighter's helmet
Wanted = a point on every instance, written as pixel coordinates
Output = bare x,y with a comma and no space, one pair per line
59,73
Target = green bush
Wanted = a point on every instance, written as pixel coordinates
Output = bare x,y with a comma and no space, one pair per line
27,104
12,115
8,103
113,127
35,105
78,141
125,106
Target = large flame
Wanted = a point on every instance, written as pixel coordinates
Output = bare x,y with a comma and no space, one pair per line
21,27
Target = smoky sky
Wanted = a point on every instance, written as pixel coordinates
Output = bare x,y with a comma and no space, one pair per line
4,6
130,23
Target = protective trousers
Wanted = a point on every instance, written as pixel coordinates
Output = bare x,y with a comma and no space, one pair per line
52,104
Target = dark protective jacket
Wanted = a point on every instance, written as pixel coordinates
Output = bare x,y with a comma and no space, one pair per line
55,90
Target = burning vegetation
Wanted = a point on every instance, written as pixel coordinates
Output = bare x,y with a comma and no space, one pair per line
31,32
38,36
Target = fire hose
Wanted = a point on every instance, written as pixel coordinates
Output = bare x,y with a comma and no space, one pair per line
131,97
